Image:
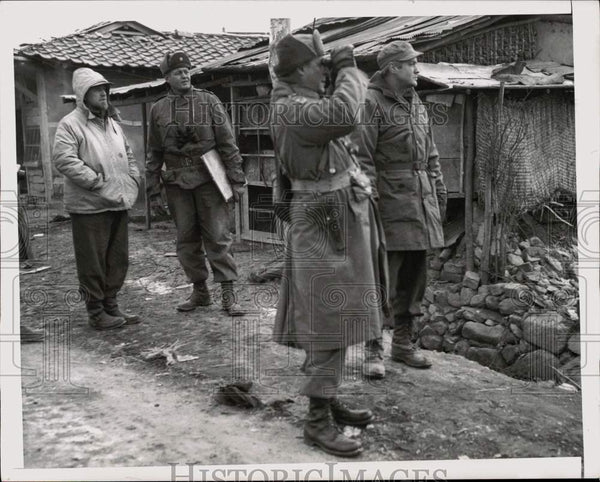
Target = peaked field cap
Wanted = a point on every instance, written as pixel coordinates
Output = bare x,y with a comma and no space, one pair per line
174,60
295,50
399,51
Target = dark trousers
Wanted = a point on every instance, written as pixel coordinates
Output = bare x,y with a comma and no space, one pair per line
408,280
101,253
202,220
324,370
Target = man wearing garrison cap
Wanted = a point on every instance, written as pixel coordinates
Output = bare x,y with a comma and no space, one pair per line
397,150
184,125
331,293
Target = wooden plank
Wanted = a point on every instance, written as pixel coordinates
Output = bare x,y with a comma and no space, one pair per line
240,208
147,210
468,181
44,135
25,91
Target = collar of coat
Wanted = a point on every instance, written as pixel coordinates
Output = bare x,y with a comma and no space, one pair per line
112,113
283,89
379,84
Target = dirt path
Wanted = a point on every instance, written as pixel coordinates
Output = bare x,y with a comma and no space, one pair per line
132,417
142,412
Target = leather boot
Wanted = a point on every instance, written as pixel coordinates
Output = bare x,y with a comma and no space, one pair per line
404,351
112,308
319,430
344,415
229,301
200,297
373,366
100,319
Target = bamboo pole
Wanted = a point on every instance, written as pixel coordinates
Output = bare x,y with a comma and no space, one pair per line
488,235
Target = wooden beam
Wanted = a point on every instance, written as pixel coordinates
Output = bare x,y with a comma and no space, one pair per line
25,91
468,139
146,198
44,135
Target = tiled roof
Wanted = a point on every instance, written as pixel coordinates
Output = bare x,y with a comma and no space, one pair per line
95,49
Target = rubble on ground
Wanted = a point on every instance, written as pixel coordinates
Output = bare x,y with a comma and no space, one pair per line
526,327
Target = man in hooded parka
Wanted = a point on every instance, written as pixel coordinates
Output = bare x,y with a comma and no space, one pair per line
101,185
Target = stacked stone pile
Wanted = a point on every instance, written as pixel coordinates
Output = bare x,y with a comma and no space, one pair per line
527,327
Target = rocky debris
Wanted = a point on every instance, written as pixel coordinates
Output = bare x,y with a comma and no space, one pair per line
482,333
487,357
466,294
529,318
510,353
546,331
515,260
471,280
478,301
535,365
574,344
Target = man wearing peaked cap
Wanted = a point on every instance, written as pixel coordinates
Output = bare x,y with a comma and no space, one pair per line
398,51
398,152
332,238
185,125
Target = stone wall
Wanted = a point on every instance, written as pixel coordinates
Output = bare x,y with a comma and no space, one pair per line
526,327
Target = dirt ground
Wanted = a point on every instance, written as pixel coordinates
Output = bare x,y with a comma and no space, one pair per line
118,409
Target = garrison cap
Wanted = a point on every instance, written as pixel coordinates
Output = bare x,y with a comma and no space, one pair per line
174,60
295,50
398,51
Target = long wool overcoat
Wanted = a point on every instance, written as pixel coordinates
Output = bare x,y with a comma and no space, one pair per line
397,150
335,270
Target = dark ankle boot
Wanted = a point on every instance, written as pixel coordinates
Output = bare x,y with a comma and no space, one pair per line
200,297
319,430
229,300
112,308
373,367
344,415
100,319
404,351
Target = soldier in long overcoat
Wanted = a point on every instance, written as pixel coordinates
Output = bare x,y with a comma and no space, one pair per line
397,151
331,290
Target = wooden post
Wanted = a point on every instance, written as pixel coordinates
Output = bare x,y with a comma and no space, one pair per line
146,198
280,27
44,135
468,182
242,205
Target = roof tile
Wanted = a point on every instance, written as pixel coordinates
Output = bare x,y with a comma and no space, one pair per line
108,50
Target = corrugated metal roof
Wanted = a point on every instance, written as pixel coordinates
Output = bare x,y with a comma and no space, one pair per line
471,76
367,34
443,75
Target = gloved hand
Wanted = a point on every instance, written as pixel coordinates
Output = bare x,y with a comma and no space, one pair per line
342,57
157,208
